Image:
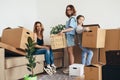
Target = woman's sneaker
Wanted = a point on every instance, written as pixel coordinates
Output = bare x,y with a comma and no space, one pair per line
53,69
48,71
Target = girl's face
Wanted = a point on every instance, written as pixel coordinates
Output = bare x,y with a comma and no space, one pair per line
69,11
81,20
39,28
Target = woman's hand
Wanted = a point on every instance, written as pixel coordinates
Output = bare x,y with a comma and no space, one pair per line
45,47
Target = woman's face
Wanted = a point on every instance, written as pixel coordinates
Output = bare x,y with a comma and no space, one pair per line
81,20
39,28
69,11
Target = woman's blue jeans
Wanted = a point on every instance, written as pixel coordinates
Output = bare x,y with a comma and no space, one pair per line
87,55
48,55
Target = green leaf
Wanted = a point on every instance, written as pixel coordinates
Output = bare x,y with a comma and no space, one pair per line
29,69
27,45
28,65
34,65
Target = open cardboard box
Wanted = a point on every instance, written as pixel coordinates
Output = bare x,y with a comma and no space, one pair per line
16,37
93,72
95,38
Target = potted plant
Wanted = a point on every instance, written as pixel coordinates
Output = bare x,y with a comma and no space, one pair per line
31,59
57,29
57,41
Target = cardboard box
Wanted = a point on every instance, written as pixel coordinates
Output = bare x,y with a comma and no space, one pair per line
76,70
112,39
12,49
58,62
112,42
78,53
2,66
11,62
16,37
94,39
0,39
58,55
80,78
93,72
96,54
58,41
12,73
102,56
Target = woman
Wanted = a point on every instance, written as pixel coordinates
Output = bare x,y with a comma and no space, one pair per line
87,54
43,49
71,24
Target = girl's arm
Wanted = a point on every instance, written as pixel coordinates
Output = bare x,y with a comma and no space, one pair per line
72,25
79,31
67,30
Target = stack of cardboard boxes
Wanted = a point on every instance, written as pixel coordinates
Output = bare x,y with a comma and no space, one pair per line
94,39
110,55
112,42
107,40
13,42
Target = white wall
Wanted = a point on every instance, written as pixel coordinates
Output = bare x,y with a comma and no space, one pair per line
103,12
52,12
15,13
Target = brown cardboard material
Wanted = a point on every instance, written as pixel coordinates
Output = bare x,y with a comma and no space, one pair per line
12,73
80,78
112,42
58,55
93,72
94,39
58,62
112,39
78,53
19,61
95,59
16,37
102,56
11,48
2,58
0,39
58,41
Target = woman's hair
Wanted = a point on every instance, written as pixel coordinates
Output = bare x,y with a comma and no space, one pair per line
72,8
79,17
35,28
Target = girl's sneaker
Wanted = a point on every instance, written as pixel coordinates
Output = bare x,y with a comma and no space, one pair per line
66,71
48,71
53,69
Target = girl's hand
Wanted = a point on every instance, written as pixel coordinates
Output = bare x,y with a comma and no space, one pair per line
61,32
87,28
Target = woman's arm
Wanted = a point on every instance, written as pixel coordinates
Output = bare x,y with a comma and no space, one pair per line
38,46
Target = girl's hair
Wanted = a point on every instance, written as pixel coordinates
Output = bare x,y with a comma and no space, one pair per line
72,8
79,17
35,28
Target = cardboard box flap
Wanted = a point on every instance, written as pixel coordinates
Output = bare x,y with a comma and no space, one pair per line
94,65
92,25
8,28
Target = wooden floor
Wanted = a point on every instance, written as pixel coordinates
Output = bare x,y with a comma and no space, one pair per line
58,76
